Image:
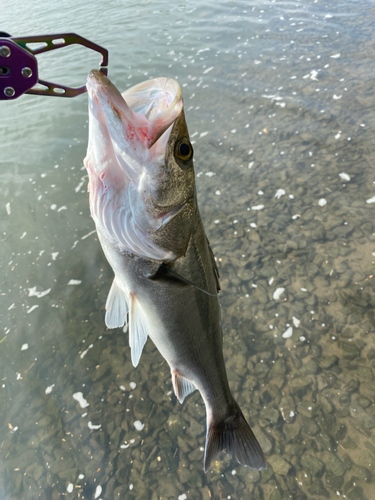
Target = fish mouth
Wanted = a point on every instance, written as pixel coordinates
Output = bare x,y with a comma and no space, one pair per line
153,98
146,110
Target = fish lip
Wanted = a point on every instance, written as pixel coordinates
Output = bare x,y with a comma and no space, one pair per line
107,98
98,77
96,80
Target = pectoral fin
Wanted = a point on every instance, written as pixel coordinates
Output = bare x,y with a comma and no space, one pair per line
117,310
167,274
137,329
182,386
116,307
215,268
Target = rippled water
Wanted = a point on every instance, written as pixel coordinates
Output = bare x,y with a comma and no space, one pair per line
279,102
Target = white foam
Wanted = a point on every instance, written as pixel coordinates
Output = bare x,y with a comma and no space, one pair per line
288,333
31,309
88,234
83,354
202,50
138,425
49,389
76,189
78,396
312,75
92,426
344,176
34,293
277,293
296,321
279,193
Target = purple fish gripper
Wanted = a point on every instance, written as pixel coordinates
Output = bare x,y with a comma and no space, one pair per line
19,66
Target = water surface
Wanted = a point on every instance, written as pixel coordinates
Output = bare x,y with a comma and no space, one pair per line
279,102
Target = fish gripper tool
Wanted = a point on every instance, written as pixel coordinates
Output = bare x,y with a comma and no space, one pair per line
19,66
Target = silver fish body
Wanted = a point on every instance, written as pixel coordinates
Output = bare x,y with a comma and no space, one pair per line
166,279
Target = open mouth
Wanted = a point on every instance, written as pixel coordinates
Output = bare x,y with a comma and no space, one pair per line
146,110
153,99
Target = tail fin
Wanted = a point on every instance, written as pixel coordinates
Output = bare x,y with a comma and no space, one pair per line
235,436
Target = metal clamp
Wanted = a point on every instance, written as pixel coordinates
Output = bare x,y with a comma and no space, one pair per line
19,66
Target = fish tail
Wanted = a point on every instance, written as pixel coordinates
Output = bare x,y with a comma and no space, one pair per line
236,437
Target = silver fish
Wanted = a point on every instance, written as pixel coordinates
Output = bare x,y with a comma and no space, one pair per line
144,204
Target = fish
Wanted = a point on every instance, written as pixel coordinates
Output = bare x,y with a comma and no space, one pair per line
143,201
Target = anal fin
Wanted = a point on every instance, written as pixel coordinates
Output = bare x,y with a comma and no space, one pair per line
116,307
137,329
182,386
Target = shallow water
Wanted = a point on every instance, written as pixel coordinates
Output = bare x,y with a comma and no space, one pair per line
279,101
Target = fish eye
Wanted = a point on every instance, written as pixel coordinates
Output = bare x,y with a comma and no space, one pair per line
184,150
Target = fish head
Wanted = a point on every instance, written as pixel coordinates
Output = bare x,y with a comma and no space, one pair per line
140,166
